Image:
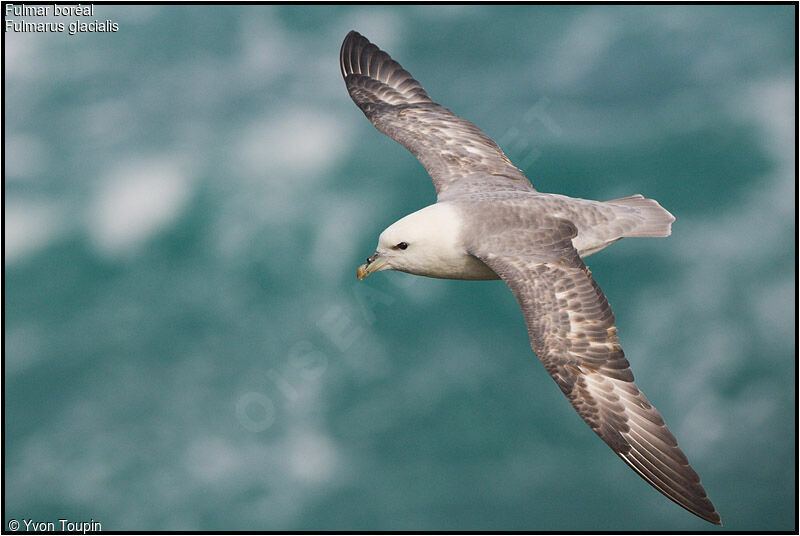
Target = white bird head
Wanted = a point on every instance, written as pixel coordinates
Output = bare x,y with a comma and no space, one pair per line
427,242
420,243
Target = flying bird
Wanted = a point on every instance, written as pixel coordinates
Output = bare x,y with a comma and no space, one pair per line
490,223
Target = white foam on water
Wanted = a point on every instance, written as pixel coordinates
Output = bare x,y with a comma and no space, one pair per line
29,227
135,200
292,147
583,44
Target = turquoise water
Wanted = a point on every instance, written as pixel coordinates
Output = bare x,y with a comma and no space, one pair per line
187,200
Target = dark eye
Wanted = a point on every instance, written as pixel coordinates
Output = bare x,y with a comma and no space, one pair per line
401,245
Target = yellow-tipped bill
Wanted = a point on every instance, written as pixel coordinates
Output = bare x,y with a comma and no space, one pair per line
375,263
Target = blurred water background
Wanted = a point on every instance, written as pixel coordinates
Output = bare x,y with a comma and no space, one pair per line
187,200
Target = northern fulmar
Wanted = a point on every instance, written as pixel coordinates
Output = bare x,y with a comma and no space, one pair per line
490,223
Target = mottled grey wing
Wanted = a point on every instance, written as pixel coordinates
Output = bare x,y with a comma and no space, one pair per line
456,154
572,331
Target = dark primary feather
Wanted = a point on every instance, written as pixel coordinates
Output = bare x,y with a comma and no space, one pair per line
456,154
572,331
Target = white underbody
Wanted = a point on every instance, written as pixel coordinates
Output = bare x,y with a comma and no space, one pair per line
436,247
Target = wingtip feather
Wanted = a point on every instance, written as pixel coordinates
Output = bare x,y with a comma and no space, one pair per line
359,57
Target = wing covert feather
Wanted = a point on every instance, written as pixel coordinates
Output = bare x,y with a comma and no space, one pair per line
571,328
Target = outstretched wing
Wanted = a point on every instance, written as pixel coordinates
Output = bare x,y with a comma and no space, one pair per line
572,331
456,154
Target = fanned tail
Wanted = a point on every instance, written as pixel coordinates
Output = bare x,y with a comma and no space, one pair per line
651,218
